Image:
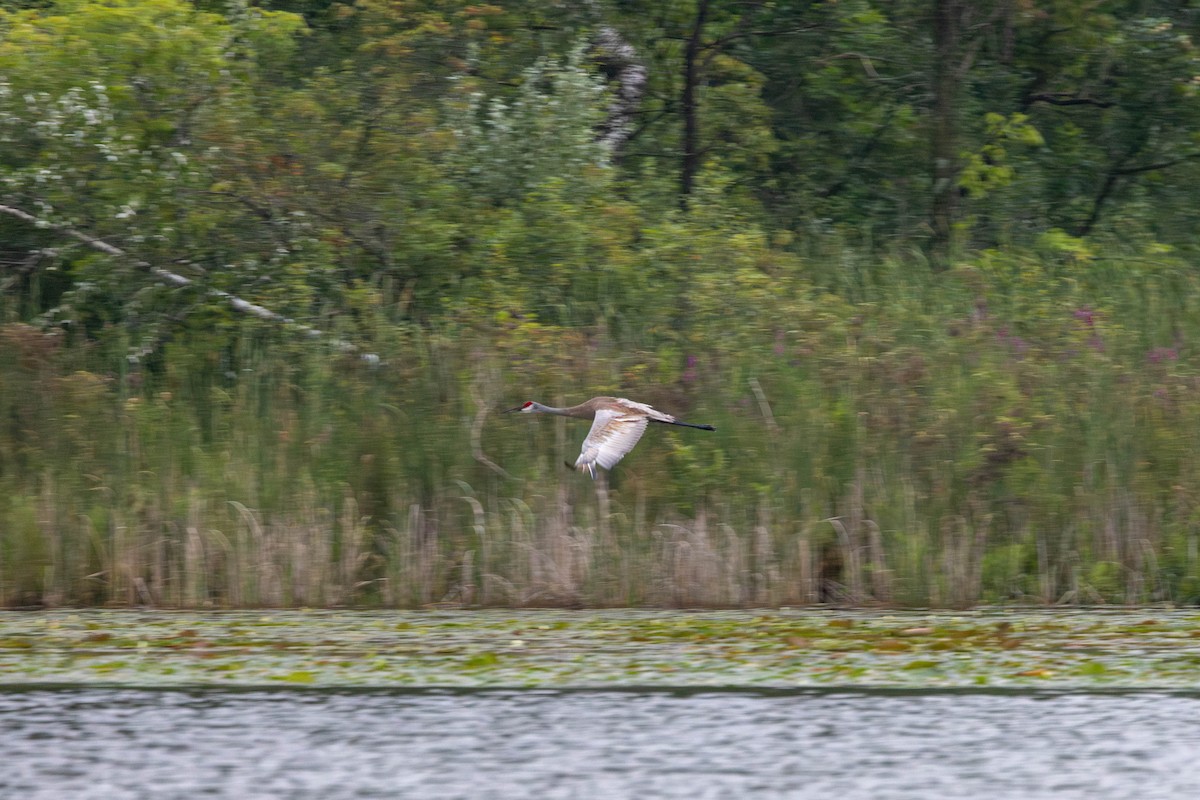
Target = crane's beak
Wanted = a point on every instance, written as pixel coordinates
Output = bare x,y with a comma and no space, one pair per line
511,410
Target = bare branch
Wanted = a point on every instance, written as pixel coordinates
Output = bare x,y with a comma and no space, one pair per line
1156,166
867,64
235,302
477,433
1065,99
720,42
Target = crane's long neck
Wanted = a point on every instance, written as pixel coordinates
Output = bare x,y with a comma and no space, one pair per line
562,412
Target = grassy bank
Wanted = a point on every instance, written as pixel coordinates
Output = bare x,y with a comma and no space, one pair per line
1016,429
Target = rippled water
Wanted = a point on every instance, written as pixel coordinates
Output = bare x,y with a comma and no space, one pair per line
99,743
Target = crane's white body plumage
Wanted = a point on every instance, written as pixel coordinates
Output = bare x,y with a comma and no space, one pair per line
617,425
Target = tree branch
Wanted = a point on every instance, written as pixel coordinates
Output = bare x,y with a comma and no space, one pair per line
1111,176
1064,99
1159,165
860,156
721,41
175,279
864,59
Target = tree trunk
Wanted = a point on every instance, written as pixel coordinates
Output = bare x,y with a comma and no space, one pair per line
946,80
620,63
691,123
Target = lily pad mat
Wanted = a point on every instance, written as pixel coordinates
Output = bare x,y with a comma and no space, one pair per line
1075,649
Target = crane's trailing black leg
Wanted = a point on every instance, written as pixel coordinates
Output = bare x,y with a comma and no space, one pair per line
689,425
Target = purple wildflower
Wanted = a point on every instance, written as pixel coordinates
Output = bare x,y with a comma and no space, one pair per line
689,374
1160,354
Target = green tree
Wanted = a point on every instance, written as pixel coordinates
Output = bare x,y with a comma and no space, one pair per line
109,111
1114,91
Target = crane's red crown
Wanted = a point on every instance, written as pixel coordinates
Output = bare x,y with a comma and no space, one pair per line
528,403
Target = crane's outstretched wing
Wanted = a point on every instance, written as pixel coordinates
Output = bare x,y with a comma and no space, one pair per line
613,434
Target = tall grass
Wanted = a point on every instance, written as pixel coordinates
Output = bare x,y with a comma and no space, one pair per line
1000,433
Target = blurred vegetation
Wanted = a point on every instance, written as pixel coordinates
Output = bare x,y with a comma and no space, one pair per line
926,391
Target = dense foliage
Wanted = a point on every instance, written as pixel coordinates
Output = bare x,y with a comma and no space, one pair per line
928,267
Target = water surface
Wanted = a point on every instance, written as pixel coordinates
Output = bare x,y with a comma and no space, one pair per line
134,743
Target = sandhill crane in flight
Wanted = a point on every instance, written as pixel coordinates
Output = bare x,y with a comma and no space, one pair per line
617,424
